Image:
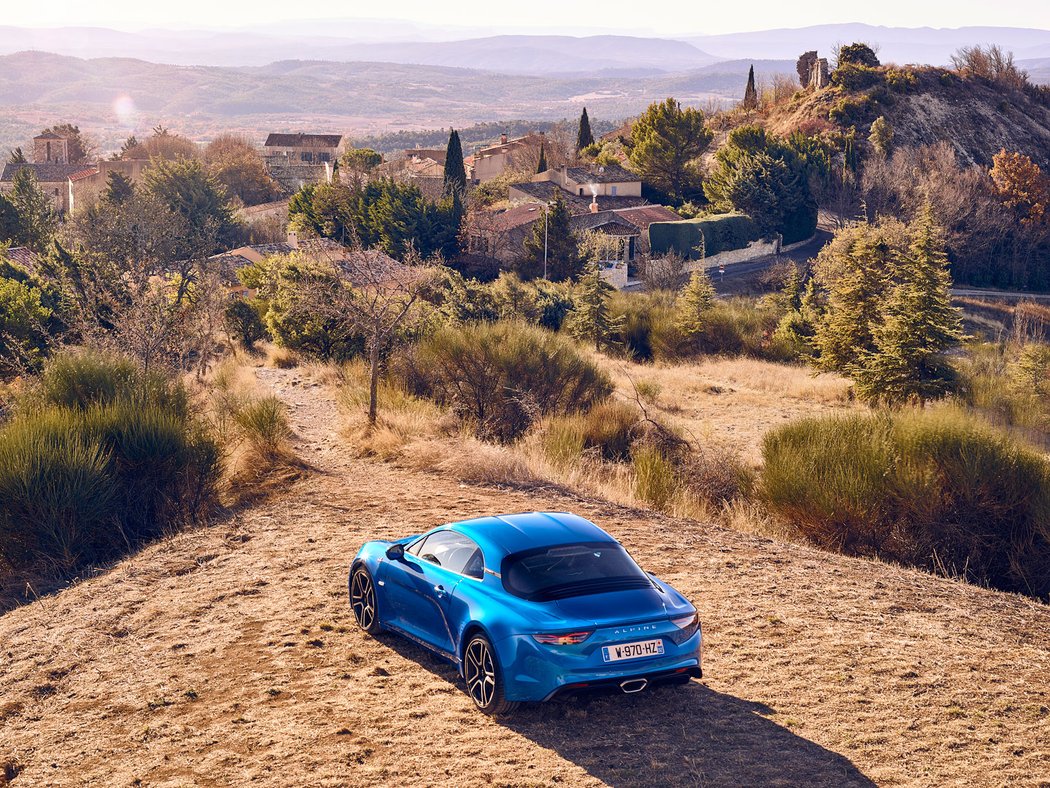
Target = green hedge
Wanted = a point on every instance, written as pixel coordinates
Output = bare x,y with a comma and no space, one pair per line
722,233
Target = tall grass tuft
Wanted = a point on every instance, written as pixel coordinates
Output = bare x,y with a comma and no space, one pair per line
98,457
656,476
934,489
264,425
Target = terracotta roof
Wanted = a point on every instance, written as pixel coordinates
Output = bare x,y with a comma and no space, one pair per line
45,173
301,140
518,216
644,215
610,173
541,191
85,173
22,257
607,222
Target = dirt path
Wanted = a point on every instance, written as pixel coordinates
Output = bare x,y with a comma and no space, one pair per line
227,656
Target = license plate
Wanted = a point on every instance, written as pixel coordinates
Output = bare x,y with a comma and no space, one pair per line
641,648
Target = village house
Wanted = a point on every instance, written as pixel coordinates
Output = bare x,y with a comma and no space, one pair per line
303,148
610,187
491,162
86,185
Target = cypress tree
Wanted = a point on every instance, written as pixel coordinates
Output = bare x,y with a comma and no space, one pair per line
750,94
919,325
694,303
542,166
455,172
584,137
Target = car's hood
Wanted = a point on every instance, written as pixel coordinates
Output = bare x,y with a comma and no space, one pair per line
617,607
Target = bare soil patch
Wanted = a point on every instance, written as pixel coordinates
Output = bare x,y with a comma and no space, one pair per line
228,656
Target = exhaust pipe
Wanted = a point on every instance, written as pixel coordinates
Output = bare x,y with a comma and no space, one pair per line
634,685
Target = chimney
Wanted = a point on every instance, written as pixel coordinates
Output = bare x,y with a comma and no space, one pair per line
503,139
594,204
293,239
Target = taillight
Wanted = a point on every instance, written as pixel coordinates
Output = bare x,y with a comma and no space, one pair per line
563,639
687,626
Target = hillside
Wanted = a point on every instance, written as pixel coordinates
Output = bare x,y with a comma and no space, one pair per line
228,656
38,89
977,118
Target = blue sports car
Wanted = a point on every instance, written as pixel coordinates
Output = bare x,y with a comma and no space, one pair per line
528,606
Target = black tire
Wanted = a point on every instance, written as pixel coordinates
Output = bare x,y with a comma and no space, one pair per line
363,601
484,677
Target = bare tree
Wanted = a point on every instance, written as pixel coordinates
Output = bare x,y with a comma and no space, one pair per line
372,293
664,273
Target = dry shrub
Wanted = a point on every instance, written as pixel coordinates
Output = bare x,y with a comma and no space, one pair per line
606,431
500,378
715,476
281,357
935,489
656,476
264,425
472,461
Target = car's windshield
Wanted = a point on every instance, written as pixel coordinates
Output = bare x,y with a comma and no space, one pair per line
547,573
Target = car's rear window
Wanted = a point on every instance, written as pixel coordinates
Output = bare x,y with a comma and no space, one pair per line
546,573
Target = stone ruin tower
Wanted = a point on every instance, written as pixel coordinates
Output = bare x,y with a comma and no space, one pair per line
820,75
50,148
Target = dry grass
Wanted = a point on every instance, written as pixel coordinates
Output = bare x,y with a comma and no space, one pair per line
280,357
228,656
732,403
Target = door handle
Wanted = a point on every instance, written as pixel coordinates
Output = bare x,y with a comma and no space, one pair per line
440,591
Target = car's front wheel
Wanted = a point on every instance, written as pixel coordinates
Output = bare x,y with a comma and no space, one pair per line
484,677
363,600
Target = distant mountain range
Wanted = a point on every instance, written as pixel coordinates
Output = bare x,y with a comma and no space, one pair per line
373,77
394,42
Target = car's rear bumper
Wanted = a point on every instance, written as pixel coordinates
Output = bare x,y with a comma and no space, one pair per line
535,673
629,684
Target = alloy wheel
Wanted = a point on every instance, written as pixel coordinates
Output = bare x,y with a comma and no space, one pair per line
480,673
363,599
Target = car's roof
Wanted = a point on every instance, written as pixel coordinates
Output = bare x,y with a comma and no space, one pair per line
509,533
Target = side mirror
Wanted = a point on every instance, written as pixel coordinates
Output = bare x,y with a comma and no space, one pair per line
395,552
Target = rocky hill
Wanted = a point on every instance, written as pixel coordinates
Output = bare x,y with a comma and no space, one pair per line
927,105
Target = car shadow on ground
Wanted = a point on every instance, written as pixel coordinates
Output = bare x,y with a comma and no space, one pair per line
667,736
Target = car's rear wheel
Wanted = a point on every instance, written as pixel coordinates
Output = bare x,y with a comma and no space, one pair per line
363,600
484,677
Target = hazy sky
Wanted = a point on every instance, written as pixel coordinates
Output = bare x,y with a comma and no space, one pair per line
675,17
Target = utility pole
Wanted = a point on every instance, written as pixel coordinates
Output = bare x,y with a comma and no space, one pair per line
546,213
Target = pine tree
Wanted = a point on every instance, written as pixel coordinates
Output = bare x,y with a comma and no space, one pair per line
858,260
37,220
118,188
455,172
693,304
590,320
584,137
881,135
564,260
750,93
919,325
16,157
542,166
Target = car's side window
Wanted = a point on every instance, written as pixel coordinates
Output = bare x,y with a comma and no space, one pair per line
454,552
416,546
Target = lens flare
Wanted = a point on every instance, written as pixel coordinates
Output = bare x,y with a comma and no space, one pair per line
124,109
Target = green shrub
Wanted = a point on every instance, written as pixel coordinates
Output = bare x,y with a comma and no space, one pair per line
901,79
853,112
98,457
853,76
656,476
80,379
264,424
501,377
936,490
712,234
244,323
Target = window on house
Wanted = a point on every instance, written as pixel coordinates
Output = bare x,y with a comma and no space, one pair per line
323,157
612,191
